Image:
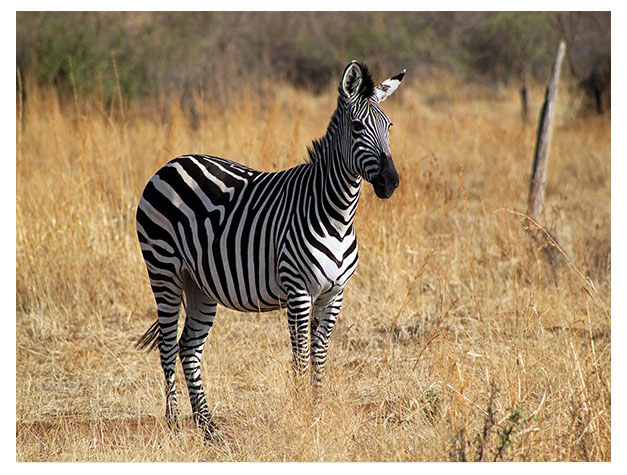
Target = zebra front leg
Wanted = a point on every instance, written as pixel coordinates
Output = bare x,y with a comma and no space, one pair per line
201,311
298,308
323,321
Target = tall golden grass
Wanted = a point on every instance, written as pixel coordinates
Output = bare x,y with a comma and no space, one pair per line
456,341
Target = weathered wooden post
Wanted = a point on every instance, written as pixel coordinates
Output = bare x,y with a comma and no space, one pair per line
538,174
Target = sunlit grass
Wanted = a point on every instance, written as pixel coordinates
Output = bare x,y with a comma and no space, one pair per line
450,298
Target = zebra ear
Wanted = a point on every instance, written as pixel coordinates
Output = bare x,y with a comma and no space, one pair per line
387,87
352,78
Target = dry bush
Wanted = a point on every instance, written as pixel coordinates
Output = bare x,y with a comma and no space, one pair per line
456,341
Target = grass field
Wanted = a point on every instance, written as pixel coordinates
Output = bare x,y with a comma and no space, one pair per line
456,341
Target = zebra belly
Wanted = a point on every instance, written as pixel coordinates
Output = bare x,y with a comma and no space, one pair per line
237,273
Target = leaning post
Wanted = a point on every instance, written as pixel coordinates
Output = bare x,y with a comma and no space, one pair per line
556,252
538,174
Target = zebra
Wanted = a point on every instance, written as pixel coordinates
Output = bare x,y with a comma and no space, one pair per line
219,232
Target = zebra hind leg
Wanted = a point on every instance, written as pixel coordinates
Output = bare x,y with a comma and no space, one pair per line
201,311
168,312
162,334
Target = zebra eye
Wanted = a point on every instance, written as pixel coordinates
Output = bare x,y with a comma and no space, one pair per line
357,126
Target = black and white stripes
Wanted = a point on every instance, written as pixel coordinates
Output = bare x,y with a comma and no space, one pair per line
222,233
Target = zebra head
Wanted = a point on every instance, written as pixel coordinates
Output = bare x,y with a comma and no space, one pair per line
367,136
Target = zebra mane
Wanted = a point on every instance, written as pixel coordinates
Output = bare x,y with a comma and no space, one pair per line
367,83
316,152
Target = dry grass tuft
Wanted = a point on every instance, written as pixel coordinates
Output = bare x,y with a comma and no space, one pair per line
455,342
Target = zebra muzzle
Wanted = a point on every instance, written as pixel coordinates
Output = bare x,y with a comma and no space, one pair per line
387,180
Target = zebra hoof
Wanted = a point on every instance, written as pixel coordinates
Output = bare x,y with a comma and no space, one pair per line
209,427
213,435
174,424
316,399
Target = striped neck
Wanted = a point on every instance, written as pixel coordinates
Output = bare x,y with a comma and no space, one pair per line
337,188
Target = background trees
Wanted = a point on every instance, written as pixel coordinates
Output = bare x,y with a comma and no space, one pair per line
157,52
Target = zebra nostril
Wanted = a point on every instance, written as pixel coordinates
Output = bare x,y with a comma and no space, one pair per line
396,182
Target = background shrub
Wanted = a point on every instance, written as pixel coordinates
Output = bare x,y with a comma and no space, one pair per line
157,52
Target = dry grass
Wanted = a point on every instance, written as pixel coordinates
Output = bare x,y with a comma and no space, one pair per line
456,341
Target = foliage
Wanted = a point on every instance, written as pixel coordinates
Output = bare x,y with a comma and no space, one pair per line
157,52
511,45
79,47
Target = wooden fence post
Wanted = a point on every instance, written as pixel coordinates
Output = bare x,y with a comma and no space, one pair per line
538,175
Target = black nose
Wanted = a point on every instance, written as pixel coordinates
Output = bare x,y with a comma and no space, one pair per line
388,170
387,179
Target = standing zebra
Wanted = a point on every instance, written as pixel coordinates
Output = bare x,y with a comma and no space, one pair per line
253,241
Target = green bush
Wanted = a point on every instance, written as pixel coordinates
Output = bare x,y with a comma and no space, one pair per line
59,47
159,51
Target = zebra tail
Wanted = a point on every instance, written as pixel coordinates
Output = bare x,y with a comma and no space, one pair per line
149,340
